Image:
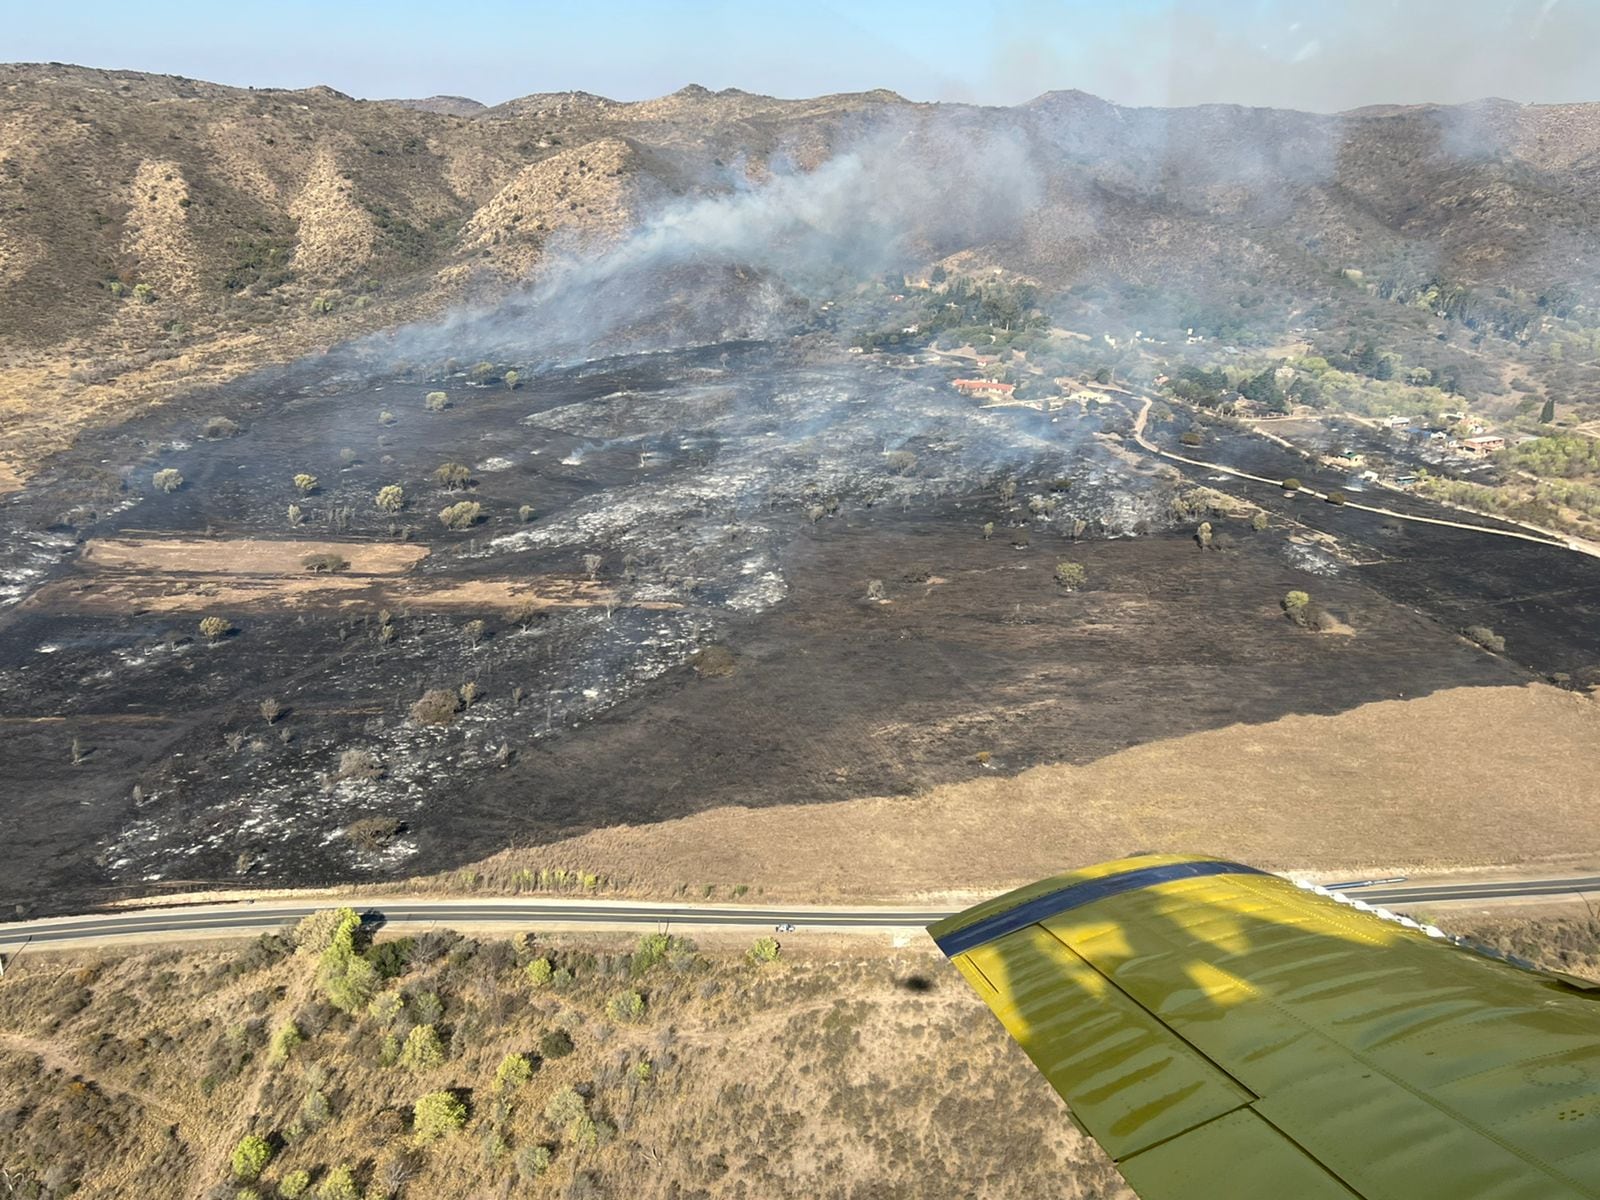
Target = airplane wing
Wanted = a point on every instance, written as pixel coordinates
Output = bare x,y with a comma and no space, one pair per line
1223,1033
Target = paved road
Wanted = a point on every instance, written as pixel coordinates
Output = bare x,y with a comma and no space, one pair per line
242,920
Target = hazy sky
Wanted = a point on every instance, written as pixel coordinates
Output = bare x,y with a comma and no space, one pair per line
1319,56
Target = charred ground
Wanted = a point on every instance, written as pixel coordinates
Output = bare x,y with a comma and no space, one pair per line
795,601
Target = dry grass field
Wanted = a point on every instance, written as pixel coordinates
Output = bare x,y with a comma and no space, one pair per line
646,1069
847,1072
1462,777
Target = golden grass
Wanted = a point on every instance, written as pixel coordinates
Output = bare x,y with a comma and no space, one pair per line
1464,777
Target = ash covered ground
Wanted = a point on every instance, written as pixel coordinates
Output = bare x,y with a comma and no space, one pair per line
753,573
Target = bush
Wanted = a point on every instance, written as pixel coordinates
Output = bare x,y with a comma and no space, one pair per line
438,706
452,476
437,1115
1291,484
525,513
373,834
626,1008
1070,575
556,1043
250,1157
318,563
340,1184
533,1161
1191,438
514,1071
463,515
713,662
296,514
386,417
1336,497
167,480
214,629
358,763
423,1050
293,1185
566,1107
539,972
306,483
765,950
283,1044
1485,637
436,402
219,427
1259,521
391,498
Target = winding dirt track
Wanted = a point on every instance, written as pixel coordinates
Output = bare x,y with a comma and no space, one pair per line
1544,539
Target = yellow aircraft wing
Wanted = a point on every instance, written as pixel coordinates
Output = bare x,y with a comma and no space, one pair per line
1223,1033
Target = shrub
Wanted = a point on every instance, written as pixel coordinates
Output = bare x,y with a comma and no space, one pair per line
1485,637
214,629
566,1107
510,380
765,950
1191,438
318,563
436,402
296,514
1295,603
713,662
539,972
452,476
340,1184
514,1071
306,483
1070,575
438,706
144,293
293,1185
626,1008
556,1043
270,710
372,834
386,417
358,763
437,1115
463,515
284,1043
250,1157
1259,521
423,1051
533,1161
1336,497
167,480
525,513
1291,484
219,427
391,498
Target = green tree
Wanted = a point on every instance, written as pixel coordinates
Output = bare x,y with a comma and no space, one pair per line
251,1156
1548,412
306,483
452,476
167,480
340,1184
423,1051
463,515
514,1071
437,1115
391,498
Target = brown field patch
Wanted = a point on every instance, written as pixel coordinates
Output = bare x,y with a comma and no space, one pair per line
1463,777
246,556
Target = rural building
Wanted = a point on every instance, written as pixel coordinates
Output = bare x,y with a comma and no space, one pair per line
984,387
1483,445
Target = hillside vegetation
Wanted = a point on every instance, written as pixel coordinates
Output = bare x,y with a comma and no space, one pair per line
556,1067
158,233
